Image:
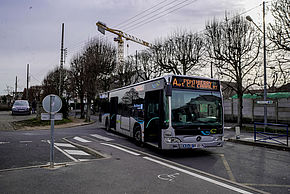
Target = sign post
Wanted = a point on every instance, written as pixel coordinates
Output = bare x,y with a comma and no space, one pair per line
51,104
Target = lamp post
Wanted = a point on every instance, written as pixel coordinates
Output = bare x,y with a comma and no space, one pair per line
264,49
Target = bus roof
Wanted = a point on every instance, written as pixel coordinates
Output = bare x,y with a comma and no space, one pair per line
167,78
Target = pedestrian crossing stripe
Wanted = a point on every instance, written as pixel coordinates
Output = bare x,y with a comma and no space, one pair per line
64,145
81,139
101,137
77,152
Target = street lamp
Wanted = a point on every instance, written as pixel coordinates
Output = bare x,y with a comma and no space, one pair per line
264,48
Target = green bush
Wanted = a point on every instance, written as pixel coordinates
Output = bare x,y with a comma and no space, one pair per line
4,107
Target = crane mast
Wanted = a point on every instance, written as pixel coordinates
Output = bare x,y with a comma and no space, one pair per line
119,39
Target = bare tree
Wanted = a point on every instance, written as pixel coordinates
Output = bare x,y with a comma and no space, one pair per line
279,31
146,67
234,47
180,53
279,34
126,73
98,61
78,79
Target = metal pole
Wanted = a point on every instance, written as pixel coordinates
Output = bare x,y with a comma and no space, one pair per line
61,61
27,81
15,96
265,71
52,132
211,72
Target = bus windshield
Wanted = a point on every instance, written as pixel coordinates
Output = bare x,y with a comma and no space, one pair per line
195,108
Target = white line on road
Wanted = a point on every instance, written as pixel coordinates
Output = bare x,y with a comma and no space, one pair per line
84,160
114,135
4,142
198,176
128,151
81,140
25,141
76,152
101,137
64,145
69,156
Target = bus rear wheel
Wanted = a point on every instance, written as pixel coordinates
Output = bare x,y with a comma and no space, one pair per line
138,135
107,125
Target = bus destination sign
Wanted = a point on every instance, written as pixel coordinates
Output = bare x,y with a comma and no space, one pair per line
194,83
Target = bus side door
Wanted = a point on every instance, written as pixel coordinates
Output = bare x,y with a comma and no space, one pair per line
113,111
153,116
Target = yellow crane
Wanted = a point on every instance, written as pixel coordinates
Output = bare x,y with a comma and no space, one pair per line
103,27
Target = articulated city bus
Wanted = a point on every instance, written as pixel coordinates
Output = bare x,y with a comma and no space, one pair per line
170,112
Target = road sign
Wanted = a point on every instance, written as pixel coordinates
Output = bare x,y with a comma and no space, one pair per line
265,102
47,116
52,103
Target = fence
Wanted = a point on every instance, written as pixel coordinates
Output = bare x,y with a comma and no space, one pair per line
278,112
276,138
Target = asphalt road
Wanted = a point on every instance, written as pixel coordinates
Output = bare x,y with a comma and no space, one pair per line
6,118
261,168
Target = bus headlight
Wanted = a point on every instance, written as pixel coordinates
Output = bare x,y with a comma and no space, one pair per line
218,138
172,140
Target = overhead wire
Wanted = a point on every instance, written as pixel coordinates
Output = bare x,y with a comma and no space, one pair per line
139,14
122,23
131,26
153,19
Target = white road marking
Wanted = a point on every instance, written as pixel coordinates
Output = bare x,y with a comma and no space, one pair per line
81,140
198,176
4,142
128,151
114,135
69,156
101,137
64,145
76,152
248,138
25,141
84,160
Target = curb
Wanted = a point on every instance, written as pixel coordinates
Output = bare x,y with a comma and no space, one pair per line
259,144
91,151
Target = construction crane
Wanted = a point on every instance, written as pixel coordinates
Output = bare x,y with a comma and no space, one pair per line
103,28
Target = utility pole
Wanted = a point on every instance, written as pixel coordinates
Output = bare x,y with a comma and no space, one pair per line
27,79
61,60
265,64
15,96
211,71
265,59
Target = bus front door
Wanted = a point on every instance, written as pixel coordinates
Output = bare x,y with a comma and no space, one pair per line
113,112
152,125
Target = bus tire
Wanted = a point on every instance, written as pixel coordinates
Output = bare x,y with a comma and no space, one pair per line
107,125
138,135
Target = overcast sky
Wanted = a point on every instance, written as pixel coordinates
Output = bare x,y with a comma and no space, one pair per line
30,30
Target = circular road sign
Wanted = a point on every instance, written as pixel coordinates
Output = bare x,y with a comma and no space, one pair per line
52,103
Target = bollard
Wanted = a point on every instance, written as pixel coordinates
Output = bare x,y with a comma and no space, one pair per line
237,132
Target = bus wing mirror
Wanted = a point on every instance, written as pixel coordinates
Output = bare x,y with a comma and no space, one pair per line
168,90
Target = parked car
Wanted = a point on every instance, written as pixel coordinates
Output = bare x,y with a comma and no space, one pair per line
21,107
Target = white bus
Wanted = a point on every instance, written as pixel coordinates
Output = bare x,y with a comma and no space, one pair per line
170,112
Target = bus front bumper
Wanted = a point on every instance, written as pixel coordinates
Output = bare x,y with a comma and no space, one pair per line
191,145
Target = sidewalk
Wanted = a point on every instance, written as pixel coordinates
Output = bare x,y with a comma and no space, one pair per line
247,138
